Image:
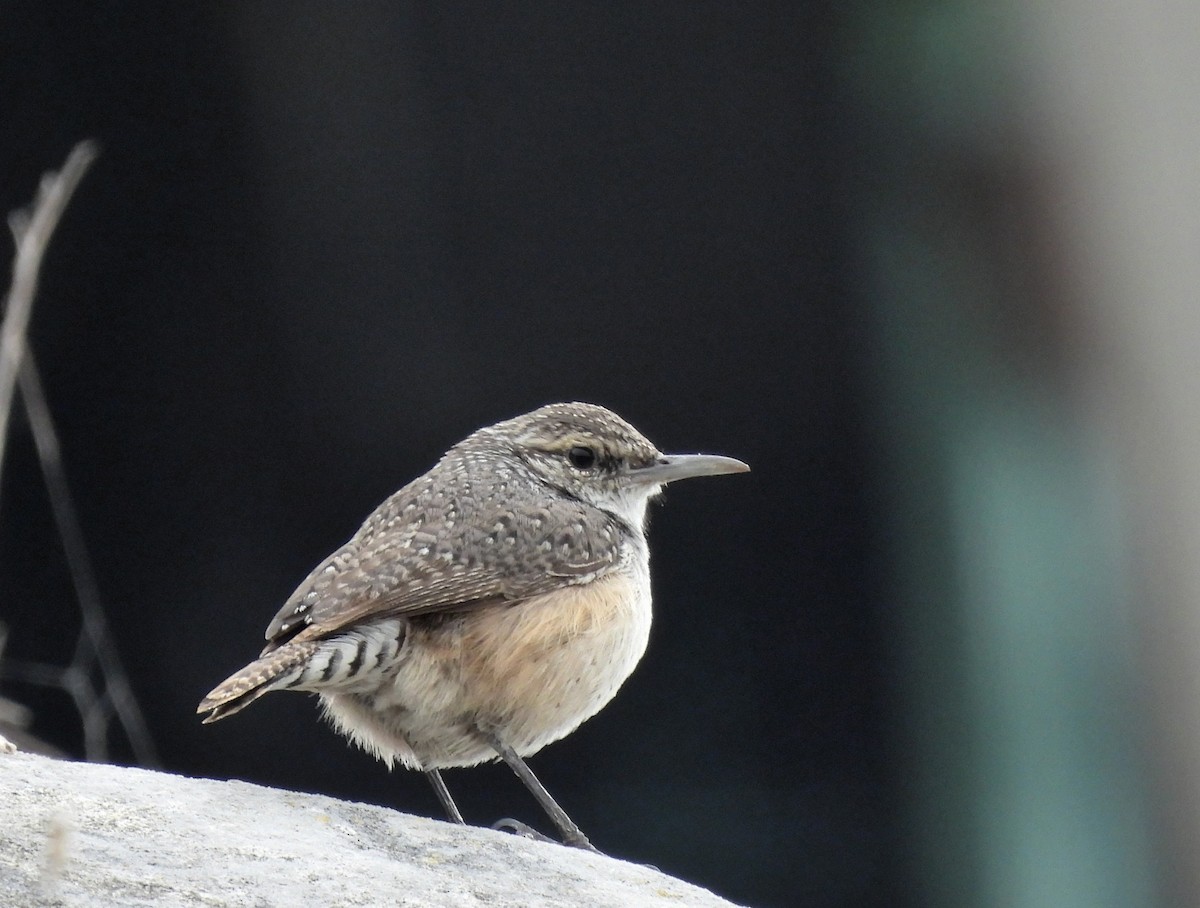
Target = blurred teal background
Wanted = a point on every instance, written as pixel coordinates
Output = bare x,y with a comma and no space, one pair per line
1031,250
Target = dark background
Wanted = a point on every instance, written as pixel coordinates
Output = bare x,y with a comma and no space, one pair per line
323,242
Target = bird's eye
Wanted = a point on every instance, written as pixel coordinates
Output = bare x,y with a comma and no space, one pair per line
581,458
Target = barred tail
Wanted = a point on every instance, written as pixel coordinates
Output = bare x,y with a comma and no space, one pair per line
285,667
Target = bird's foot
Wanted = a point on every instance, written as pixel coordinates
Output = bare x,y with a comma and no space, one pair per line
525,831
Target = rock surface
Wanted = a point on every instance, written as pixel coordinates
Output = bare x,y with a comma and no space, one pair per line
81,834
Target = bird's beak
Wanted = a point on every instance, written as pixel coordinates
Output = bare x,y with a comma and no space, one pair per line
670,467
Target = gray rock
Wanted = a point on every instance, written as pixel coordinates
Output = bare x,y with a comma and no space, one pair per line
85,834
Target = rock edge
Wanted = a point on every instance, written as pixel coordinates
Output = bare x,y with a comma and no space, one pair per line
92,834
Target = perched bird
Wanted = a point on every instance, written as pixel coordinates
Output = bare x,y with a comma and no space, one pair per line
488,607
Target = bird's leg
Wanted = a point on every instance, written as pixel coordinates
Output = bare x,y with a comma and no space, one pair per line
443,793
571,834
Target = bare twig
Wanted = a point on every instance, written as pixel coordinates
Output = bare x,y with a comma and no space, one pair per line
32,233
94,646
99,645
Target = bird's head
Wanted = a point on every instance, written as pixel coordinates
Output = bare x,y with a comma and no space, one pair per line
592,454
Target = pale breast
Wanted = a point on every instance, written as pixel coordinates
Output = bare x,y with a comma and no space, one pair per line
532,671
539,669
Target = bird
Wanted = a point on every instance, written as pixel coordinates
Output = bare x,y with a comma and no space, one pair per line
487,608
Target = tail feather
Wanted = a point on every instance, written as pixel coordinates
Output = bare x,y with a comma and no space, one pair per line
274,670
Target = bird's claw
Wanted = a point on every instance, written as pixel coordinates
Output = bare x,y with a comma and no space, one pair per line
524,830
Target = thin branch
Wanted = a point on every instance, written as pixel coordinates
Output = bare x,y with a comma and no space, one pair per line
32,234
83,575
94,646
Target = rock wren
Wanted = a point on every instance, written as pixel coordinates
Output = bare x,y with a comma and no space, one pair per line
488,607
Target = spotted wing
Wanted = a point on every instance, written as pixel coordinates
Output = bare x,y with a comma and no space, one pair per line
405,562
